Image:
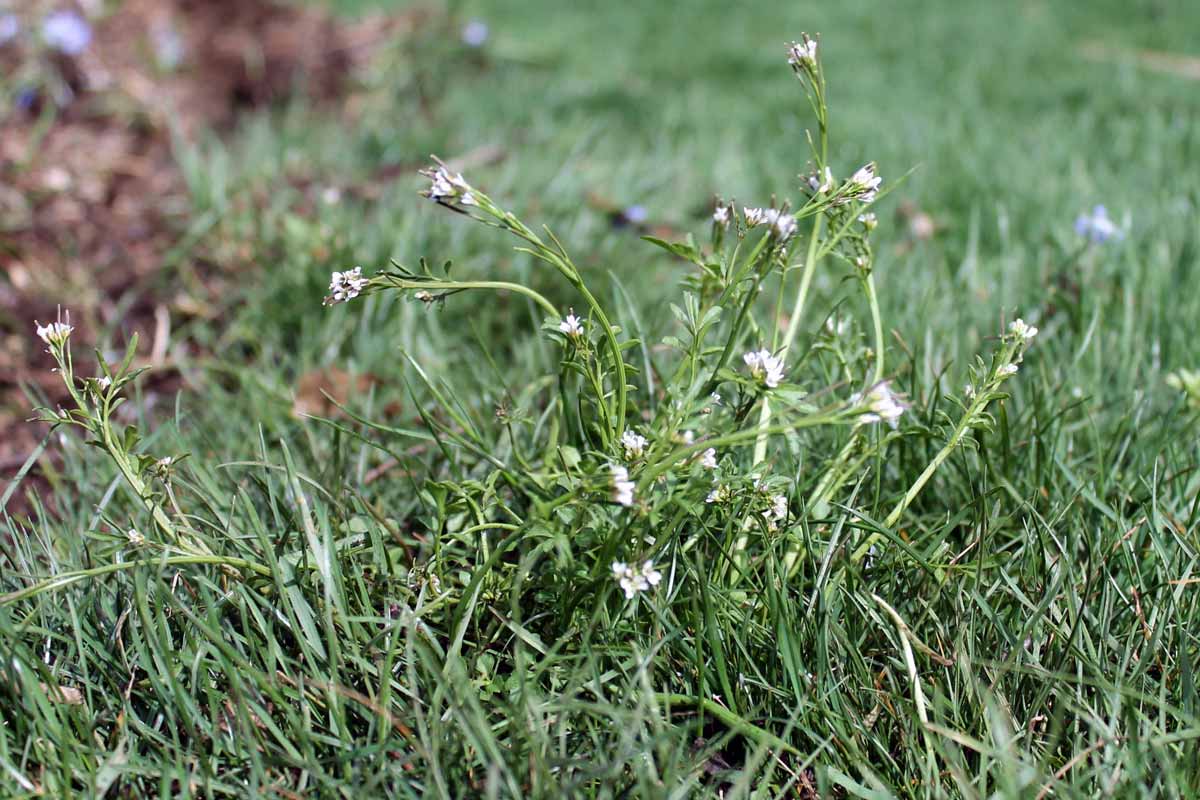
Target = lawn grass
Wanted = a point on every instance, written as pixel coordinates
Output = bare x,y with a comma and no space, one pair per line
1029,625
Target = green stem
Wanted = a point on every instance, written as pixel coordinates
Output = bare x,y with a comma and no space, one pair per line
618,360
810,268
747,303
877,324
968,420
652,471
547,306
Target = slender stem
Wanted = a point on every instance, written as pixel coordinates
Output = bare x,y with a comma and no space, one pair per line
735,333
135,482
810,268
877,324
968,421
652,471
618,360
402,283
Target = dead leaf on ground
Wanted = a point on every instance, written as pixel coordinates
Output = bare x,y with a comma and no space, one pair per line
314,390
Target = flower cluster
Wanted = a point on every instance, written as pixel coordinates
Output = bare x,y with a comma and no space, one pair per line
1020,333
883,404
765,367
1021,330
572,326
345,286
776,512
446,187
633,580
802,55
634,445
863,184
722,214
783,224
708,459
721,493
55,334
621,488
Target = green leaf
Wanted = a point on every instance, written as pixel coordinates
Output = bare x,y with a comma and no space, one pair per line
687,252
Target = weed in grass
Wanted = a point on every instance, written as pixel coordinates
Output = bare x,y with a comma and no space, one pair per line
457,628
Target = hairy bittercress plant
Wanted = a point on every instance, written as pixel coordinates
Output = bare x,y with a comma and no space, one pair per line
742,386
728,460
169,539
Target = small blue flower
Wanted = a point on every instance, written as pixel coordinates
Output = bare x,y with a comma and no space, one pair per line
26,98
66,32
475,33
1097,227
636,214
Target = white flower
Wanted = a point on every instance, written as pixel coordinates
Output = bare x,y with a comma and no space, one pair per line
135,537
345,286
66,32
708,459
969,391
882,403
622,487
634,444
1022,330
572,326
784,226
821,183
1009,369
424,296
633,581
715,399
687,437
765,367
864,184
779,506
55,333
836,326
721,215
103,382
1097,227
803,53
446,186
869,220
720,494
777,512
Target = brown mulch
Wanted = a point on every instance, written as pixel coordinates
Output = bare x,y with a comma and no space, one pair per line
91,198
